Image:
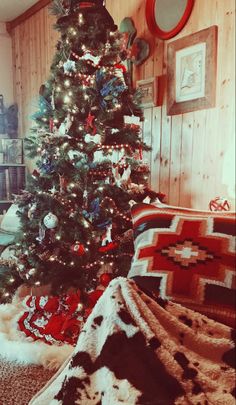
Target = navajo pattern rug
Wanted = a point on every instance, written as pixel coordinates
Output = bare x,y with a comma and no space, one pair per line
135,351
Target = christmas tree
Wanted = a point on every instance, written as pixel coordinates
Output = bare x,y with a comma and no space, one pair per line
75,213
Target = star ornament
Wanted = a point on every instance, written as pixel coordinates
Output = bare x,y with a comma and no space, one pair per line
53,190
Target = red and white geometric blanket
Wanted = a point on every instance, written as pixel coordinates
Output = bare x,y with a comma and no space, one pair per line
135,351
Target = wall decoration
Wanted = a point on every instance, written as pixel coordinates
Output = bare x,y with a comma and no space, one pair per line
137,50
152,91
11,151
191,72
165,18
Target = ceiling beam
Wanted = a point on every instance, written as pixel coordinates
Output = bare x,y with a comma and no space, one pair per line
27,14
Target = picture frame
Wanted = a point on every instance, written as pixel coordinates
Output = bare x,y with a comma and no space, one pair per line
149,92
11,151
191,72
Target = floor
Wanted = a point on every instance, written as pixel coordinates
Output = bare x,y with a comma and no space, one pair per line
18,384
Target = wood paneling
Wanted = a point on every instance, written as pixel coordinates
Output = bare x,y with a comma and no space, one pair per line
191,152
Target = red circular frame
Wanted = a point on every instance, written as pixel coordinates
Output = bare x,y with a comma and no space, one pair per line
154,28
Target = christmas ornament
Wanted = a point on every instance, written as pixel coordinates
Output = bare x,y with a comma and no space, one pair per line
90,123
107,242
65,126
69,66
119,71
46,166
42,233
94,210
93,138
50,221
219,204
32,210
137,188
132,120
78,249
53,190
105,279
91,58
63,183
85,198
121,180
35,174
73,154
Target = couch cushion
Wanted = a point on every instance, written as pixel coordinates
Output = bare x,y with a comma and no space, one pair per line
11,221
187,256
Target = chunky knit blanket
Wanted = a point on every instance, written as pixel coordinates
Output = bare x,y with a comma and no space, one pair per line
133,350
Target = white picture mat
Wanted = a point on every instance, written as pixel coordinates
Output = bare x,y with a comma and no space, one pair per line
190,72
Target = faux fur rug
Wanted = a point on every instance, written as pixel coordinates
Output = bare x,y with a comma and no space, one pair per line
15,347
133,350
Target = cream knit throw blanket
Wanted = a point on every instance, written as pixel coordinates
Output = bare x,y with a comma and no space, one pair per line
133,350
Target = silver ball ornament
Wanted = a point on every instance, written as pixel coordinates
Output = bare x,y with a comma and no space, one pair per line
50,221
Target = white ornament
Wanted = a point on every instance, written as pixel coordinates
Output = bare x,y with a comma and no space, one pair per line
53,190
106,238
74,154
147,200
124,179
91,58
50,221
32,210
120,75
93,138
131,119
69,66
65,126
132,202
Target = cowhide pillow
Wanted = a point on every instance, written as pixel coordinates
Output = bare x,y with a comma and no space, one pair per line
187,256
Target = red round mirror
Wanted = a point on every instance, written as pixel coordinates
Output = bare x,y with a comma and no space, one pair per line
165,18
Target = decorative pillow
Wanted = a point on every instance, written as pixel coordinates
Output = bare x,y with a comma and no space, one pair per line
186,256
11,221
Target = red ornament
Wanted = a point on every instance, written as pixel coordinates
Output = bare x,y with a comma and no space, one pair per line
78,249
35,174
105,279
121,67
90,124
219,204
94,297
110,246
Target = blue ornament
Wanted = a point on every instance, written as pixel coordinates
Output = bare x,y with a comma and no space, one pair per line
46,166
94,209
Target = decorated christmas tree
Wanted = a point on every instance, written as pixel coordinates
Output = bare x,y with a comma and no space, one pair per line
75,213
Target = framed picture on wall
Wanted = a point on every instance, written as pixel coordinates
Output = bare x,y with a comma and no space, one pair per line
149,92
191,72
11,151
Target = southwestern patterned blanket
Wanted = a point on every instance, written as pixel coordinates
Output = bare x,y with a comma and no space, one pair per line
133,350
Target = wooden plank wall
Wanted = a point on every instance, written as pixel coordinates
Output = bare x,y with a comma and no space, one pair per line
192,158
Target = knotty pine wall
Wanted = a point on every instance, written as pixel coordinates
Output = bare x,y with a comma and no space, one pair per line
192,158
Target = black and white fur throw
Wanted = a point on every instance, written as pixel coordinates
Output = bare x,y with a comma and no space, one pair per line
135,351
